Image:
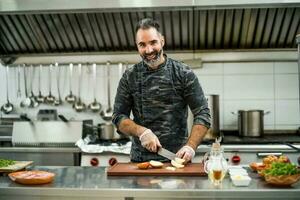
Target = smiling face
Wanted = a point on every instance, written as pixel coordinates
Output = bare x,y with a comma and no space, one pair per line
150,46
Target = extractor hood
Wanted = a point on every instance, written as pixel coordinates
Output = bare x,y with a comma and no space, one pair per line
29,27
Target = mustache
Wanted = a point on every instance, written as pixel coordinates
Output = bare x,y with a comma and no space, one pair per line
155,53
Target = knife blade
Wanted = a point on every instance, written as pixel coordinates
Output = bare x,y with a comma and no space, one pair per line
166,153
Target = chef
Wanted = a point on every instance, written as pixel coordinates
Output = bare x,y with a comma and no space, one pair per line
158,91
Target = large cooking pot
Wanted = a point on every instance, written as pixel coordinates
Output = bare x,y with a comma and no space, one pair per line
251,123
107,131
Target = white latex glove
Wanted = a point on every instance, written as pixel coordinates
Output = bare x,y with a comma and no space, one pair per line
149,140
186,152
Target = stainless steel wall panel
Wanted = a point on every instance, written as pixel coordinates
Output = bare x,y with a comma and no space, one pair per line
211,29
261,23
285,27
294,29
112,32
191,28
278,22
129,30
120,31
168,30
68,29
87,32
268,27
237,25
8,36
96,31
77,31
23,34
202,21
15,33
62,32
175,29
104,30
54,32
228,28
46,33
184,28
244,28
219,29
34,26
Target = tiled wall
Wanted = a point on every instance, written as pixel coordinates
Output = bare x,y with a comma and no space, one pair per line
271,86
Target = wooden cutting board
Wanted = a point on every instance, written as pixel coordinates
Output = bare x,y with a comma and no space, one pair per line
15,167
131,169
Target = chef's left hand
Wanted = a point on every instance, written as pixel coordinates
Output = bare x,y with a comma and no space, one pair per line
186,152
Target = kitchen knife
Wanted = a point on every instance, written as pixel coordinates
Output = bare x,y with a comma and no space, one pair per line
166,153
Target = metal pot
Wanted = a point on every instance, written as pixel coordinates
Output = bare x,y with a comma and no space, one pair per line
251,123
107,131
214,107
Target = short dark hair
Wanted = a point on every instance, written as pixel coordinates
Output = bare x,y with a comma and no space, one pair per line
147,23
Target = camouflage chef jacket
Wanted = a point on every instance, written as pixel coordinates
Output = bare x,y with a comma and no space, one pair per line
158,100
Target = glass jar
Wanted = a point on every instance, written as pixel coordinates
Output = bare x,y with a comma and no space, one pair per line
216,166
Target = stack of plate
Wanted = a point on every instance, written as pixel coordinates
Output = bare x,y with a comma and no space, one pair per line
239,176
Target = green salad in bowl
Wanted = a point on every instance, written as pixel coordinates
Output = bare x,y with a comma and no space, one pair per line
282,174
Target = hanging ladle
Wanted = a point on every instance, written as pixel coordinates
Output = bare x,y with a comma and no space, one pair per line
40,98
33,100
107,115
19,94
79,105
8,107
70,98
50,98
95,106
58,101
26,102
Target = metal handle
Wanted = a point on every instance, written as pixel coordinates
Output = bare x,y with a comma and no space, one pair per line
108,84
71,76
264,154
298,43
94,78
58,79
7,74
50,74
25,80
40,74
79,80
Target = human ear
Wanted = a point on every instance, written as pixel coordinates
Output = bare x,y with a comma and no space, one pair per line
162,41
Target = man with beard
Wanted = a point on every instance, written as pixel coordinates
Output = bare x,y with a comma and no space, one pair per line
158,91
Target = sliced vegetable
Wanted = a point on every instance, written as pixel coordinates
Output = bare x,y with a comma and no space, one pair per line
156,164
179,160
144,165
176,164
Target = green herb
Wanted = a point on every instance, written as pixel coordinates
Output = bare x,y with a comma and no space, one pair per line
278,168
6,163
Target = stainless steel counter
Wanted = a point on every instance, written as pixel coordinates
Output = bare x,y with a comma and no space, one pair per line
92,183
40,149
54,156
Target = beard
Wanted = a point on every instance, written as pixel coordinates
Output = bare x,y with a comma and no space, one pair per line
155,59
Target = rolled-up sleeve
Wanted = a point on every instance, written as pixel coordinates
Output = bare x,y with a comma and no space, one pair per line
196,100
123,101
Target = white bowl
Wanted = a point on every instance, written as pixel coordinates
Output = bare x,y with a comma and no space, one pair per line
240,180
241,173
238,172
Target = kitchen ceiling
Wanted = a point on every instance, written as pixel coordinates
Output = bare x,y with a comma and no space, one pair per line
189,28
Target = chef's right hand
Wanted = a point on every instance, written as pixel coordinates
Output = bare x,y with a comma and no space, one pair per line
149,141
